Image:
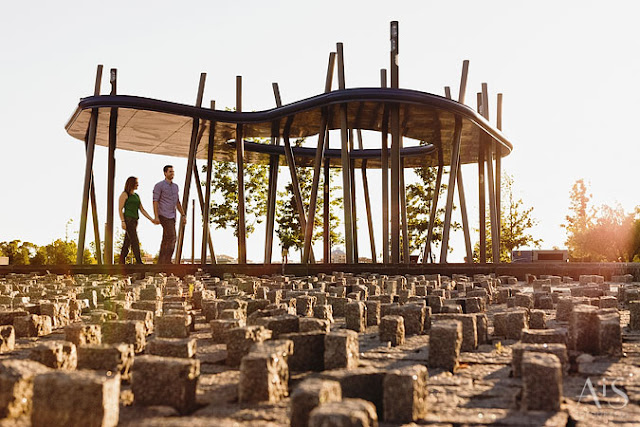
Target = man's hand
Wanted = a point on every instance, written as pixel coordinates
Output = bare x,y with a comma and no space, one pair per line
156,221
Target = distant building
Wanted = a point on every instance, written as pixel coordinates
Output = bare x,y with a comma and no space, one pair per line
540,255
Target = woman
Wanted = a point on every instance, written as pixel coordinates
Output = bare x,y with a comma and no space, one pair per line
129,206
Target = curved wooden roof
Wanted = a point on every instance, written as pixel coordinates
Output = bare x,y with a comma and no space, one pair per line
161,127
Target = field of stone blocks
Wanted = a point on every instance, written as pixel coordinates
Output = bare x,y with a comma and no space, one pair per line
328,350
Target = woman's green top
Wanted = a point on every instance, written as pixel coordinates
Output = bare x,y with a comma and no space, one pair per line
131,206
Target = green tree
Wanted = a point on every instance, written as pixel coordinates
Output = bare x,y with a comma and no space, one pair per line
224,187
17,251
289,231
515,222
579,221
419,201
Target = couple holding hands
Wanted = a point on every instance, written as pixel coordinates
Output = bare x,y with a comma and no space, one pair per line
165,203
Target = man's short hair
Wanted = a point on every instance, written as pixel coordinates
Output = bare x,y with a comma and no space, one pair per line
166,168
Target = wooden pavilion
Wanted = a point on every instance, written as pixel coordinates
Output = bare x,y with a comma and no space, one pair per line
454,134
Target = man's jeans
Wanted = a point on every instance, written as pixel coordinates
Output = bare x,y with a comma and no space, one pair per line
168,239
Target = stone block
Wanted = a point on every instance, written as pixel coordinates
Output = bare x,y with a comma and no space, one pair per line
153,306
339,304
524,300
469,329
346,413
482,326
145,316
7,317
405,394
81,334
323,311
55,354
537,319
260,379
125,331
172,326
108,358
304,305
168,381
341,350
519,349
608,302
82,398
361,383
16,386
634,315
279,325
609,333
240,340
309,349
310,394
541,395
445,341
172,347
307,324
7,338
219,328
583,329
282,349
373,312
545,336
392,329
32,325
355,316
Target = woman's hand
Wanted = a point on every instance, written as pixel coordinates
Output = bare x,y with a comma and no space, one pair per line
124,225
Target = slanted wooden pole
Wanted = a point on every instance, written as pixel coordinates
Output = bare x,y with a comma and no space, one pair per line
111,173
395,150
88,171
193,231
206,208
367,201
434,206
317,165
482,203
495,242
274,163
453,171
354,215
96,222
344,162
295,183
193,146
206,238
327,206
463,202
499,170
242,230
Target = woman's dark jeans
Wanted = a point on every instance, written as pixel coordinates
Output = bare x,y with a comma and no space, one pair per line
131,239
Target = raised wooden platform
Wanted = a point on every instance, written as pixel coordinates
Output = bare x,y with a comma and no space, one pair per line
516,269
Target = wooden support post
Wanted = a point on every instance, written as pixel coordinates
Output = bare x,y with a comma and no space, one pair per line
317,164
206,207
499,169
434,206
345,157
193,146
297,195
206,237
403,215
88,171
495,240
367,201
354,215
453,172
463,203
96,222
274,163
242,230
193,231
482,203
395,150
327,206
384,160
111,173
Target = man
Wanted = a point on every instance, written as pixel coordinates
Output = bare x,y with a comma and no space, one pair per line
165,202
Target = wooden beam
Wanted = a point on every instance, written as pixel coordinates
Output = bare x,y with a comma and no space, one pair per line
395,150
384,160
367,202
242,230
193,146
463,202
274,163
111,172
88,171
495,240
453,172
434,206
345,161
482,203
498,148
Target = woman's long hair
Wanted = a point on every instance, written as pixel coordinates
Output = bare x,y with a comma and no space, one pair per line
130,185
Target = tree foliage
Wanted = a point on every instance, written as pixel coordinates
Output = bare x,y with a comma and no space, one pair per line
289,231
224,188
515,222
600,234
419,200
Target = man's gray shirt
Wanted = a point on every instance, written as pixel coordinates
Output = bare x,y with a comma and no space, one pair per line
166,194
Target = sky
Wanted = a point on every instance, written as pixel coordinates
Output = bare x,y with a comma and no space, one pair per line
568,71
